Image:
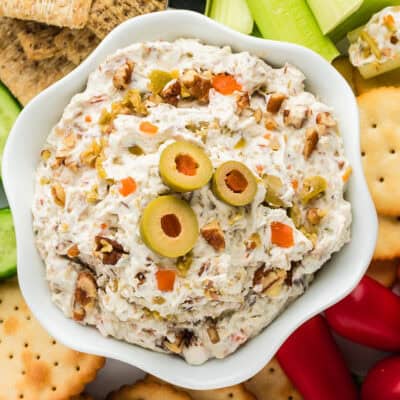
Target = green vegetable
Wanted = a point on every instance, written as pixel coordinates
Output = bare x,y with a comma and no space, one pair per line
329,14
233,13
8,247
291,21
9,110
360,17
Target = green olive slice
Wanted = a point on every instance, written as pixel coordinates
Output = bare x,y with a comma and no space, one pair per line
185,166
169,226
234,183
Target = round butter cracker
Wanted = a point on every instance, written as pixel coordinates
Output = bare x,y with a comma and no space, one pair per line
271,383
380,147
145,390
235,392
34,366
388,244
384,271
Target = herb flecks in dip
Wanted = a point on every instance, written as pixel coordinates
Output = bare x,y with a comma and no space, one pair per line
269,209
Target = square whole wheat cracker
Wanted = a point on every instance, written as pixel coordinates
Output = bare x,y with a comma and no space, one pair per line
34,366
76,44
25,78
235,392
37,40
70,13
380,147
105,15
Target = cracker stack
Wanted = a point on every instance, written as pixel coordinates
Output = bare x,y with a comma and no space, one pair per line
380,150
378,100
43,40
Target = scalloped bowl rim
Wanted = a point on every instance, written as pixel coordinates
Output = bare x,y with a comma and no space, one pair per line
332,283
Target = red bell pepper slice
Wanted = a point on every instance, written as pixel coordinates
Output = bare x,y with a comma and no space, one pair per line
370,315
314,364
383,381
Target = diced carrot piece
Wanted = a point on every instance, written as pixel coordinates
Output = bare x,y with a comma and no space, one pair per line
260,169
295,184
267,136
225,84
281,234
103,226
88,118
347,174
128,186
165,280
148,127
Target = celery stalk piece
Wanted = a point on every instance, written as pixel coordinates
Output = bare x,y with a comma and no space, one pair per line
330,13
291,21
360,17
233,13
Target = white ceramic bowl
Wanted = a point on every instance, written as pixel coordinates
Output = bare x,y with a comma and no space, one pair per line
333,282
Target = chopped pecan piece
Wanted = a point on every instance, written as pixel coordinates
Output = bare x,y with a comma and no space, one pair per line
271,124
197,86
314,216
324,121
258,115
85,295
110,250
123,75
242,102
253,242
275,102
271,280
175,347
213,334
171,92
58,193
69,141
294,119
214,236
310,143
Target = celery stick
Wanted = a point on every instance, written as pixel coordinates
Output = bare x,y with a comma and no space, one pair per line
291,21
329,14
360,17
233,13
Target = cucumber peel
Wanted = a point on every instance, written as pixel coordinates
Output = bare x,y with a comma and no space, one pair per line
329,14
9,110
233,13
360,17
291,21
8,245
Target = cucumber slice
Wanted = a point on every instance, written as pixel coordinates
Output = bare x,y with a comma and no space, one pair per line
8,245
9,110
360,17
291,21
329,14
233,13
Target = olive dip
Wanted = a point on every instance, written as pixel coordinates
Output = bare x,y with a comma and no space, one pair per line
187,196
